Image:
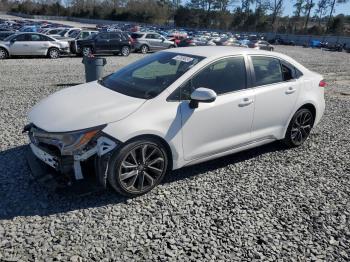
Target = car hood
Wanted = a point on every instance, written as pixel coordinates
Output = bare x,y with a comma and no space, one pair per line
82,106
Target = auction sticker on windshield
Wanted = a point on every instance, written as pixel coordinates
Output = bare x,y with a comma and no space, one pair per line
182,58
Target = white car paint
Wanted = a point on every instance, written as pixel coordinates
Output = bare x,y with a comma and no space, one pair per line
233,122
33,47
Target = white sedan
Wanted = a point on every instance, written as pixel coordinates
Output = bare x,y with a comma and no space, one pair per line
173,109
32,44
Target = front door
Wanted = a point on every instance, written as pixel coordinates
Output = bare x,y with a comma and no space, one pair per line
102,42
225,123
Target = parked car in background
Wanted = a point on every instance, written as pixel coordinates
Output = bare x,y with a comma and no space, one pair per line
167,110
261,44
4,34
148,41
84,34
107,43
32,44
67,32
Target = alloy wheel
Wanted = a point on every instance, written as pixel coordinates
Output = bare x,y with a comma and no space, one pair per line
125,51
3,54
301,127
86,51
54,53
141,168
144,49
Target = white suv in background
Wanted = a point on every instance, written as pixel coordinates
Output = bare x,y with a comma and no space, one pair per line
172,109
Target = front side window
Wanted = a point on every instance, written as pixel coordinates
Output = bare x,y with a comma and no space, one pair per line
267,70
149,76
225,76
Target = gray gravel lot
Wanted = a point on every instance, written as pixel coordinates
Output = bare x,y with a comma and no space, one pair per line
268,203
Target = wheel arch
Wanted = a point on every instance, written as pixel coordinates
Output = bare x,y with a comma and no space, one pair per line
308,105
166,145
6,50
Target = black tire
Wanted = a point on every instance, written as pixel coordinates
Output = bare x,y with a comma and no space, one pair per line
136,184
125,51
172,46
144,49
3,53
299,128
53,53
86,51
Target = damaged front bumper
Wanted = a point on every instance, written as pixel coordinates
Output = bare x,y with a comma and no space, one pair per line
91,161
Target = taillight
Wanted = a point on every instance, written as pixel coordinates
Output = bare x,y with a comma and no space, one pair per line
322,83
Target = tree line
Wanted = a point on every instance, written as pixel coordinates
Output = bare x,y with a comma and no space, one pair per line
309,16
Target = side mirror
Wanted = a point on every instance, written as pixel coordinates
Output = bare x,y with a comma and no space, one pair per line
12,40
202,95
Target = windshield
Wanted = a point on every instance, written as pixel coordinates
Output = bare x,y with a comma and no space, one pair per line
63,32
7,39
149,76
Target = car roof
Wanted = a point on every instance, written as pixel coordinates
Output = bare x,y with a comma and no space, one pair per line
222,51
218,51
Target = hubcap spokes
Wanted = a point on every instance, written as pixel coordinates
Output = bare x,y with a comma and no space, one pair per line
141,168
301,128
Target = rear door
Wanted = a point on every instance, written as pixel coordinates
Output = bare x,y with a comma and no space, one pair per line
276,92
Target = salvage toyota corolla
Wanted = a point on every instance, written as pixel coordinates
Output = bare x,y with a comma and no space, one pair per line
172,109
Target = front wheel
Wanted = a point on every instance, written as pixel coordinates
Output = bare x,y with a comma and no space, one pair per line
299,128
53,53
138,167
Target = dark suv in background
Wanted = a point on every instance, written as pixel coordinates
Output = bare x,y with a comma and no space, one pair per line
106,42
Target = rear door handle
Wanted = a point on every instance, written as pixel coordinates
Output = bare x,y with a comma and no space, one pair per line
246,102
290,90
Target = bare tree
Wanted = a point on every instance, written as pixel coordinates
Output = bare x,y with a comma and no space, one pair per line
276,6
322,8
308,7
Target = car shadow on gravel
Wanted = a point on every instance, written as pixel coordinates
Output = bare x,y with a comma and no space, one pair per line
20,196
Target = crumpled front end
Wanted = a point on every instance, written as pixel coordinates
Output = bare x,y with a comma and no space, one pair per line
72,156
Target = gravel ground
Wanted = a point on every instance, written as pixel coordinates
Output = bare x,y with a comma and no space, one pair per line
263,204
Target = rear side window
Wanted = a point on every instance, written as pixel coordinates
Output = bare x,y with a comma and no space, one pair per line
267,70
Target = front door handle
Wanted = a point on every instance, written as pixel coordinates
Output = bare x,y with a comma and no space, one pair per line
246,102
290,90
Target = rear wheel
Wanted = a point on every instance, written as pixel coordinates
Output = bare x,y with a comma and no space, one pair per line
125,51
144,49
138,167
171,46
299,128
53,53
3,53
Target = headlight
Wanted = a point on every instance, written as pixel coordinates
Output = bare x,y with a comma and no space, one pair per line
68,142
